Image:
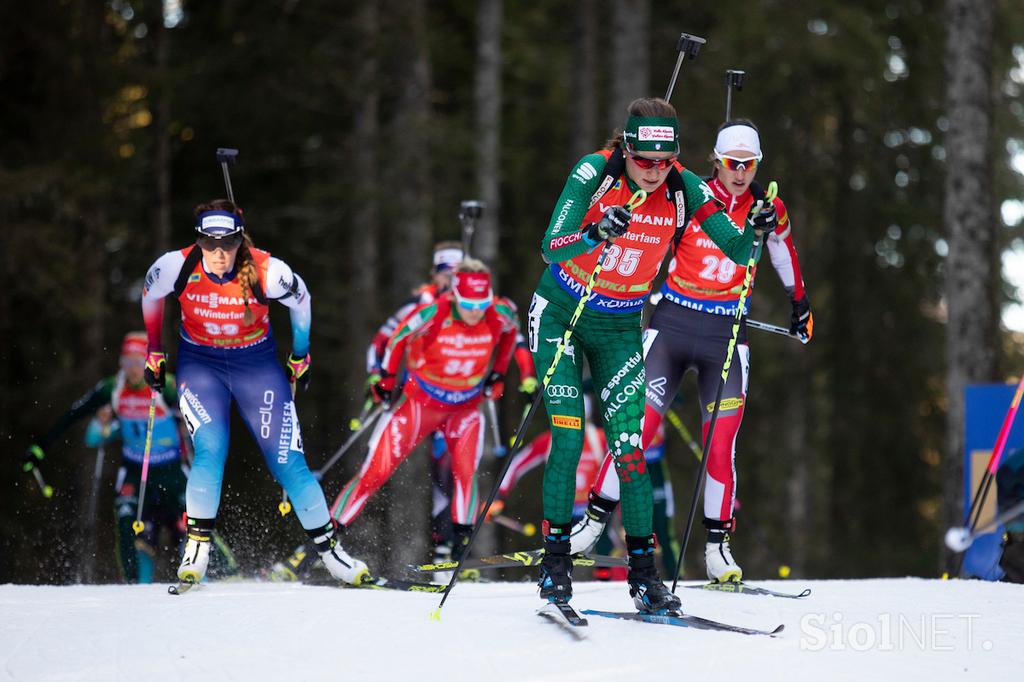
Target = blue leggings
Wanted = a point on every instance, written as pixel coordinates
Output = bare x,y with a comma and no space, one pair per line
208,379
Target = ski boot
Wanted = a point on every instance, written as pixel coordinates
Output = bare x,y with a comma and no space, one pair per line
588,530
295,567
196,557
337,561
556,566
645,586
721,567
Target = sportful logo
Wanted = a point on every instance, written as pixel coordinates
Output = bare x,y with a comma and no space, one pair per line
657,385
151,277
563,391
585,173
706,191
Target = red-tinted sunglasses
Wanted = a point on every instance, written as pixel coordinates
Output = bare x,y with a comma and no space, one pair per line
731,164
646,164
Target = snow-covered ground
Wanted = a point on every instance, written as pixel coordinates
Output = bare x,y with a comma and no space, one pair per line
908,629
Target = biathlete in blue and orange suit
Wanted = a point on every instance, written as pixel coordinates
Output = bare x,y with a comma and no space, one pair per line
691,329
457,350
600,205
227,354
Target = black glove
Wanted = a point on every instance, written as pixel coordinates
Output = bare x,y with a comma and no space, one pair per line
801,323
156,370
613,223
764,220
33,456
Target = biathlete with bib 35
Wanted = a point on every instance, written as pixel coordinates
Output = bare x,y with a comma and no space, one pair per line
627,203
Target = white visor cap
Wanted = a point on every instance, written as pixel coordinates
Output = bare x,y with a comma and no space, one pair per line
738,138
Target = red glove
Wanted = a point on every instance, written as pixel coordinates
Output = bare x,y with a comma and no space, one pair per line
494,386
383,389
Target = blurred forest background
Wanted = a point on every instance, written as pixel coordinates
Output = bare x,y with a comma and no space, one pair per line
895,129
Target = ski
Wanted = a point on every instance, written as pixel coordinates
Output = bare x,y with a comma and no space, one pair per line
565,617
382,583
521,559
743,588
378,583
683,621
181,588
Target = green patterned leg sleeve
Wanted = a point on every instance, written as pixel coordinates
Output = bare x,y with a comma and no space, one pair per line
563,401
615,352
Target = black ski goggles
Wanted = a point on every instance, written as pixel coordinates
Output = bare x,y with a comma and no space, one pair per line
228,242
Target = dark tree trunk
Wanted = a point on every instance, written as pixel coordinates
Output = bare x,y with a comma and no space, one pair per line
972,335
583,125
408,512
487,100
631,68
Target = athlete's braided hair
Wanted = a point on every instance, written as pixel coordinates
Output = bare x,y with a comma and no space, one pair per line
648,107
248,277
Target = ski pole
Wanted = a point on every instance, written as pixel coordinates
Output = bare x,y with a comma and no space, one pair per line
773,328
978,503
227,156
284,507
684,433
348,443
688,46
356,423
499,448
748,278
94,493
527,529
638,198
43,488
960,538
137,525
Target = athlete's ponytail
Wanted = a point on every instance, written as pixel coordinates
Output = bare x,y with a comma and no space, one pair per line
248,277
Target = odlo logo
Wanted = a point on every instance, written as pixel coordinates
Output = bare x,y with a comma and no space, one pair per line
266,414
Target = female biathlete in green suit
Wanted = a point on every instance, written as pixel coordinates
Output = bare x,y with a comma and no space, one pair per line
602,210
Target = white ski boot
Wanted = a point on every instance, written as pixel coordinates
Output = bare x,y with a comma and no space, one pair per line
343,567
337,561
588,530
195,560
721,567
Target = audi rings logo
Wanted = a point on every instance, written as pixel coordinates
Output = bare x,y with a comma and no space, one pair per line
563,391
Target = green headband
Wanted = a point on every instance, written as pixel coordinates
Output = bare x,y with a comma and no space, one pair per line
652,134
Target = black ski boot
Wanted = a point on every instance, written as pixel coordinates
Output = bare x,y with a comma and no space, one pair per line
645,586
556,566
